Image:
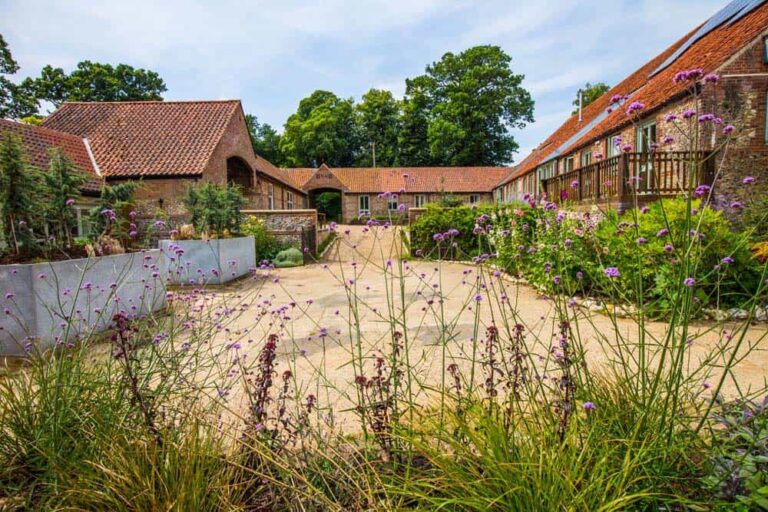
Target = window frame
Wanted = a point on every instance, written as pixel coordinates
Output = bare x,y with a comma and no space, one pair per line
289,199
586,158
568,164
360,210
474,198
420,200
392,203
271,196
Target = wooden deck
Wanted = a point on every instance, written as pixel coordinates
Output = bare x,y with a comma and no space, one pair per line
621,179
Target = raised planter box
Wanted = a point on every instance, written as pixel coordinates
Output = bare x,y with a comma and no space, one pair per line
44,304
208,261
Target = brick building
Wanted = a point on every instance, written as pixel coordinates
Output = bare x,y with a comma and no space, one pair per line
169,145
582,161
368,191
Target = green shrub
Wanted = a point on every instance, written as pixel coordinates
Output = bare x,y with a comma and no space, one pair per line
267,244
569,253
290,257
649,254
438,220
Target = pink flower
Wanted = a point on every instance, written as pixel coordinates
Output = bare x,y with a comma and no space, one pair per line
588,406
626,148
575,184
711,78
728,129
635,106
689,282
70,202
748,180
669,118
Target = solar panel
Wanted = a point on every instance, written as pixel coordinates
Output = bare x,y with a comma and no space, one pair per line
730,14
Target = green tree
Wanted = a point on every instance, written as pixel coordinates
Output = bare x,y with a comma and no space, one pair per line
17,192
589,93
475,100
321,131
215,208
265,140
92,81
15,100
62,184
414,123
378,122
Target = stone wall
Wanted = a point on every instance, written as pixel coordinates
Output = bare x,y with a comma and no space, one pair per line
297,228
202,262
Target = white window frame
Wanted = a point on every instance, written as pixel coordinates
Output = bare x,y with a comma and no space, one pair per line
392,203
289,199
271,196
420,200
613,149
474,198
586,158
364,199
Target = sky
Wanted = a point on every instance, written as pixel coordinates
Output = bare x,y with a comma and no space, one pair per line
271,54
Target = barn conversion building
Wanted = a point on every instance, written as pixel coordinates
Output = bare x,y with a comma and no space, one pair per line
593,155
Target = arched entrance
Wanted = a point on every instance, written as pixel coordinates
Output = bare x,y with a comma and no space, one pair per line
239,173
327,201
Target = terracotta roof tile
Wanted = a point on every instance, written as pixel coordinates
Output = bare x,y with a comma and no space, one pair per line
39,140
709,53
147,138
419,179
298,176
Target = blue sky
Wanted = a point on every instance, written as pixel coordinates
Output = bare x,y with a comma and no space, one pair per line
270,54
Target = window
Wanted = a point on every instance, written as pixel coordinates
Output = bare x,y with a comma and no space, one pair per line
766,118
364,205
546,171
765,49
586,158
568,164
646,135
271,196
474,198
289,199
420,200
613,146
83,221
392,203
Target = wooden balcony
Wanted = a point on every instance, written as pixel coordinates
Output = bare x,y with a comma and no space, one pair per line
618,179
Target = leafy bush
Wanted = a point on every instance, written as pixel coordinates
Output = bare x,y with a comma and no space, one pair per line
648,244
215,209
570,252
438,220
290,257
738,468
267,245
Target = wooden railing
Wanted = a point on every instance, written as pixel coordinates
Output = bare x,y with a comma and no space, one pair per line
617,179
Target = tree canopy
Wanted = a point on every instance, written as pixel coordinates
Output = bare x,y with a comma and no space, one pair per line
321,131
378,122
93,81
589,93
15,101
476,99
265,139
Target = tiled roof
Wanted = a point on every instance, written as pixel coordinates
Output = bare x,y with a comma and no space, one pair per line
148,138
413,179
298,176
266,167
38,140
709,53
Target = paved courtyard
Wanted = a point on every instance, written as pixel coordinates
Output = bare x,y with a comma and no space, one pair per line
319,334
